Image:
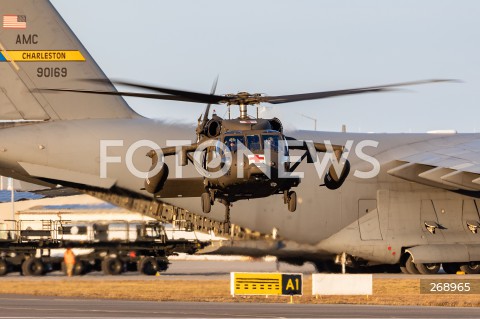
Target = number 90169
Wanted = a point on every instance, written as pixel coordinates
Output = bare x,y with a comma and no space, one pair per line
51,72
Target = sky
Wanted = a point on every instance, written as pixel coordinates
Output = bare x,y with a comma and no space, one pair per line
281,47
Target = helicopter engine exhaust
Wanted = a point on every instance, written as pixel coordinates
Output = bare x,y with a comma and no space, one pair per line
213,128
276,124
154,183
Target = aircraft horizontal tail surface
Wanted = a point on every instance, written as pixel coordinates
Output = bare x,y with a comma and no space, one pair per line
38,50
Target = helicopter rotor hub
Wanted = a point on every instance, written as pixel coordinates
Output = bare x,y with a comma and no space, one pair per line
243,98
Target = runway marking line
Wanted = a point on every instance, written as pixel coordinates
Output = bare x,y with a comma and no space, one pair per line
28,299
227,315
43,317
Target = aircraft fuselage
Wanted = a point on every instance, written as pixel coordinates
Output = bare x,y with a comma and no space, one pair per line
373,218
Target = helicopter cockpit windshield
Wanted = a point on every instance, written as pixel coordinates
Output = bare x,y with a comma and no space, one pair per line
254,142
232,142
270,141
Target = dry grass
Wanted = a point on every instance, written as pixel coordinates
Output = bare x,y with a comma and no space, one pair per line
385,292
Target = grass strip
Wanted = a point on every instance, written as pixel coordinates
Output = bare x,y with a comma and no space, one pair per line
385,292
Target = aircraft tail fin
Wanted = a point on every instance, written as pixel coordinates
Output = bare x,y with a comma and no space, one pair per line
38,50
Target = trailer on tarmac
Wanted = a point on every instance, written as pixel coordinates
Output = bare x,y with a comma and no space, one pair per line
35,248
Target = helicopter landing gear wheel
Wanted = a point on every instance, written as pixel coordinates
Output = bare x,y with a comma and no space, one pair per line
472,267
292,201
206,203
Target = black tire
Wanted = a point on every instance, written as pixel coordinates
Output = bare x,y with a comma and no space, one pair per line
148,266
428,269
206,203
112,266
410,266
33,267
472,267
451,268
292,201
3,267
162,264
81,268
78,268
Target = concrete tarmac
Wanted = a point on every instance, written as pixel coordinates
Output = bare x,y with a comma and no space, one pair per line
15,306
21,306
217,269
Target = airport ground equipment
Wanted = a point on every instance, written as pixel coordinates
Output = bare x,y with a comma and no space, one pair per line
35,248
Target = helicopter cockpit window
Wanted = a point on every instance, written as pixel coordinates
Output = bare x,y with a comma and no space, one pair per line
253,143
270,141
233,141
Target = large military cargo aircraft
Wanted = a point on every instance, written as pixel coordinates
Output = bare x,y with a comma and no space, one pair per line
409,200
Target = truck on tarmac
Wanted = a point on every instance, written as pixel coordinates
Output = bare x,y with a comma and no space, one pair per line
35,248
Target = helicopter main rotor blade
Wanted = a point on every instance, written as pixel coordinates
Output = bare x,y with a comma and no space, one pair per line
326,94
132,94
191,96
241,98
212,92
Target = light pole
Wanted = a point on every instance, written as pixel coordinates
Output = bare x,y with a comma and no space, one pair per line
311,118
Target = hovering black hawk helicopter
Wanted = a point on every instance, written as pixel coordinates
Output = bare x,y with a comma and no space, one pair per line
245,157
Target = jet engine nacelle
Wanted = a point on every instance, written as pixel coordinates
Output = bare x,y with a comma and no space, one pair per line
332,181
154,182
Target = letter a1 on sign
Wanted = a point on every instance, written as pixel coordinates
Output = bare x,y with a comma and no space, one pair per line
292,284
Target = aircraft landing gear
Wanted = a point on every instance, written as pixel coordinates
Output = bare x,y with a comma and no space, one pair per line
290,198
206,203
451,268
428,269
472,267
409,267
